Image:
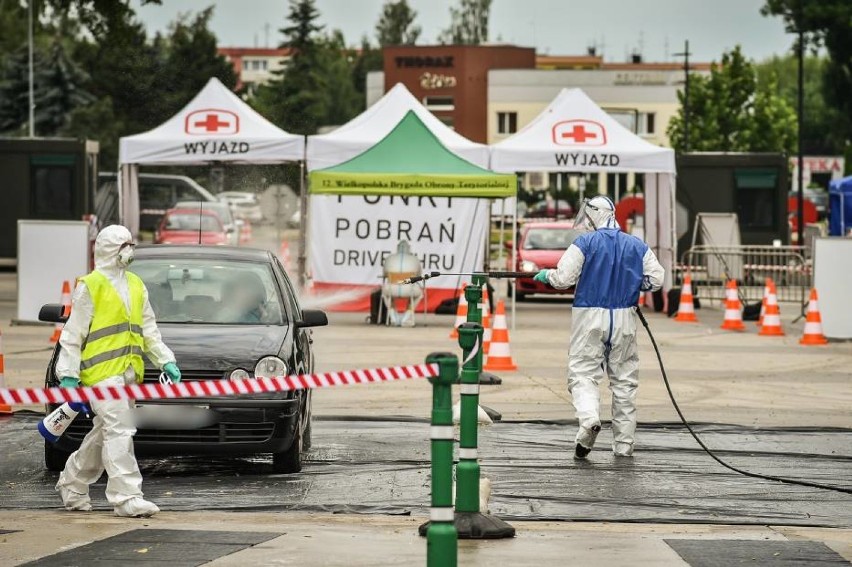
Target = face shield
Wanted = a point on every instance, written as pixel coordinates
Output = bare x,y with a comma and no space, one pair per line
597,212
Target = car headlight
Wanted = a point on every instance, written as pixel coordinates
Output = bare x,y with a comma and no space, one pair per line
270,366
239,374
527,266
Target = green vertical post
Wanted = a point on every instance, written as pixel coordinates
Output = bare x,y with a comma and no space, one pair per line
441,535
470,521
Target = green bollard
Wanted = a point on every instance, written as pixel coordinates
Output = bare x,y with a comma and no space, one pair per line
470,522
473,295
441,535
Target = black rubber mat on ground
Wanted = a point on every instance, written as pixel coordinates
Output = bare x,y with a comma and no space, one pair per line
361,466
154,547
729,553
8,531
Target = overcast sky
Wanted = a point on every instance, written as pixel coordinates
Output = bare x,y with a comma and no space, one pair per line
657,28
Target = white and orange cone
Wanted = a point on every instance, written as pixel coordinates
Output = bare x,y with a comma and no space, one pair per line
686,309
733,309
284,255
66,305
500,354
487,332
763,301
5,409
771,326
813,323
461,314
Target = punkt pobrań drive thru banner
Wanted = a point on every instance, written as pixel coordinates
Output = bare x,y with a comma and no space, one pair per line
352,235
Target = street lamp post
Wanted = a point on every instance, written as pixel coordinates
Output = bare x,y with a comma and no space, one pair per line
800,229
31,89
685,56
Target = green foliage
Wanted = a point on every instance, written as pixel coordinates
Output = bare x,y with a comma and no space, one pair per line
58,88
731,111
316,86
468,23
821,136
825,23
396,24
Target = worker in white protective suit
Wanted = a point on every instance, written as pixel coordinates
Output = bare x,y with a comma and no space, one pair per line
609,268
110,326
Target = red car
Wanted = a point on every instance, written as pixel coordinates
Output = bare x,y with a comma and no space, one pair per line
540,246
191,226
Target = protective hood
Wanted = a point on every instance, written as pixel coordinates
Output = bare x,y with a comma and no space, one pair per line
107,245
596,213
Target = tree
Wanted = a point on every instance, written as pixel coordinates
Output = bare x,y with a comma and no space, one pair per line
731,112
820,135
58,89
396,25
468,23
825,23
295,98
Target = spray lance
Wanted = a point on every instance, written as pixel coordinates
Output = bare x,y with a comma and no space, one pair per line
497,275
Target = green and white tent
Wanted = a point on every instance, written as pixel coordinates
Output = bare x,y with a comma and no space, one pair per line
411,160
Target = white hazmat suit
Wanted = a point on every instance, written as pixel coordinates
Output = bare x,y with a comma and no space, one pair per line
109,445
609,268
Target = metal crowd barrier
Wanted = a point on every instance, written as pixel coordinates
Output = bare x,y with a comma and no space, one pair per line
712,266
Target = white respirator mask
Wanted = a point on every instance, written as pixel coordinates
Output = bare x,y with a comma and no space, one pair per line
125,256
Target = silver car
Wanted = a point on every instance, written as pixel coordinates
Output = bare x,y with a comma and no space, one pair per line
244,204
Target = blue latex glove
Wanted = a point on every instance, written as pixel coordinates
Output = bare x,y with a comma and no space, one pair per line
172,371
69,382
541,276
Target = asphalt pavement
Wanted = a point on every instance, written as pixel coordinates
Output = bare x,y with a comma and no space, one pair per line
767,404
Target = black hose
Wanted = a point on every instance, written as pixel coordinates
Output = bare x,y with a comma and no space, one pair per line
707,449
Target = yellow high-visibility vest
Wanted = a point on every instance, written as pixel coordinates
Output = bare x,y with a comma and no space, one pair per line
115,336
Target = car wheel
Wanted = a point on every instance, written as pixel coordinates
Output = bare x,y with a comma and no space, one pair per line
289,461
54,457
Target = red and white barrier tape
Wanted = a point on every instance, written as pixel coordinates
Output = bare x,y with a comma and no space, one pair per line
215,388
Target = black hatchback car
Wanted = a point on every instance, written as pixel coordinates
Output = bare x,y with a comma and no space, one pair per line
228,314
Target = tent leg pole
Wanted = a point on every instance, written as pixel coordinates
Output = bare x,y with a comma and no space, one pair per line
303,226
515,256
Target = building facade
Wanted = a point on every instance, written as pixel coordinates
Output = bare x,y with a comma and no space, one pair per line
254,65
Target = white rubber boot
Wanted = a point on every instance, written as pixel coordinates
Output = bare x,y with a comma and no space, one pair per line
586,440
622,449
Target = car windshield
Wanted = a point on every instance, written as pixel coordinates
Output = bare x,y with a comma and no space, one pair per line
189,221
211,291
550,238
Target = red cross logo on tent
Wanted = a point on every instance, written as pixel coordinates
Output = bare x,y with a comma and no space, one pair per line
579,133
212,121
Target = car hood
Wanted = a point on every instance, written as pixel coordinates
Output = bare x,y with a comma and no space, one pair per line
542,258
222,347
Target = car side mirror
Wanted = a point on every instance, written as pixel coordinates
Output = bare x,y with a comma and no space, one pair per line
312,318
52,313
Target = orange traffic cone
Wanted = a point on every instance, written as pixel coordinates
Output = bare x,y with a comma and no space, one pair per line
284,255
686,309
733,314
813,323
4,408
485,306
500,355
771,326
763,302
461,314
641,302
66,304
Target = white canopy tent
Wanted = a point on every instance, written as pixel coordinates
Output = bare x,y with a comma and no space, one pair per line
216,126
573,134
365,130
362,133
